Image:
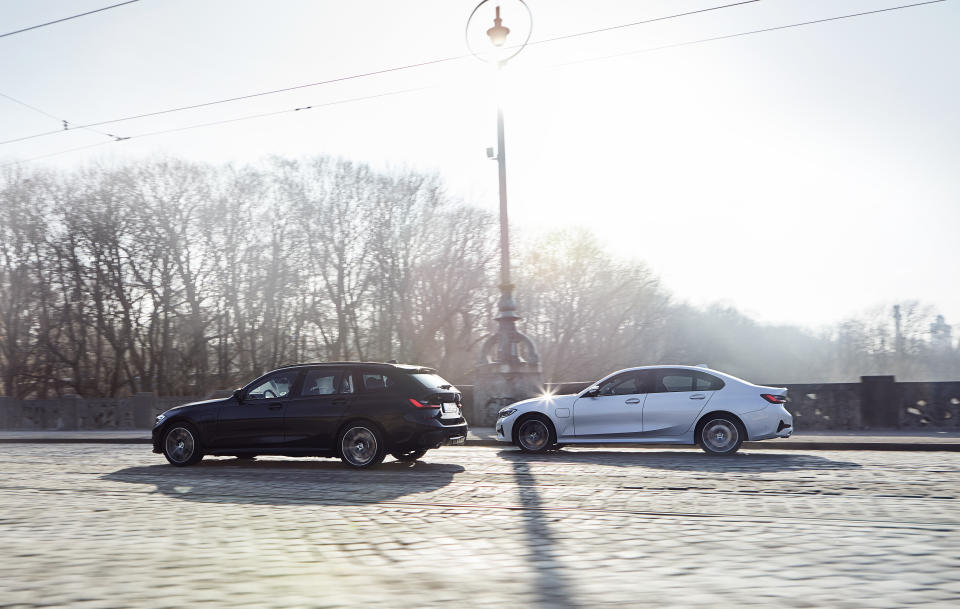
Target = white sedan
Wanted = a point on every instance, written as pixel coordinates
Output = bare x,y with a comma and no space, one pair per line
652,404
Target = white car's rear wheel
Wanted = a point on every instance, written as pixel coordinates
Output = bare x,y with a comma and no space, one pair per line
720,436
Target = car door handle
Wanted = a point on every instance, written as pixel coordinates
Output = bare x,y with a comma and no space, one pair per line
698,396
275,406
339,401
633,401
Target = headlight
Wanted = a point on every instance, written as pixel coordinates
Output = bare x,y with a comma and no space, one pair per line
506,412
160,417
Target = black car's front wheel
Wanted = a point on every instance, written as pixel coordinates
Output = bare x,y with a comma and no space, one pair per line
361,445
181,445
409,455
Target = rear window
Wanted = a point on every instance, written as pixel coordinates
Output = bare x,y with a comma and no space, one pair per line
432,381
706,382
374,381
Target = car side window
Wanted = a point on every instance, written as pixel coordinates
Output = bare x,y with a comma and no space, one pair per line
373,382
326,382
274,386
676,380
623,384
707,382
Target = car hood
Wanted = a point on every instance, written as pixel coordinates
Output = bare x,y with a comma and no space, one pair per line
192,405
545,403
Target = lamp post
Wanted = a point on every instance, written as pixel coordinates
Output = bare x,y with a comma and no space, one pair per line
509,366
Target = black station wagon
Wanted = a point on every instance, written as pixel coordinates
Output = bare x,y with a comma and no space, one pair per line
358,411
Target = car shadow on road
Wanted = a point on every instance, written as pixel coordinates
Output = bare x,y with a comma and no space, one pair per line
684,460
282,482
550,584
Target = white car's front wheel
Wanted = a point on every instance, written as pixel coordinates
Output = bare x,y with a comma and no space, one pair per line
720,435
535,435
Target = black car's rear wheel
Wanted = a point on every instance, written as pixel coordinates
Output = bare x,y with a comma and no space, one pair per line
361,445
181,445
409,455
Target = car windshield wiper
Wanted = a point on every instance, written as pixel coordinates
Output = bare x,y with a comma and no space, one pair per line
444,386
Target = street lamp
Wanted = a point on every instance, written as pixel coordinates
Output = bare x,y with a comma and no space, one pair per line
509,367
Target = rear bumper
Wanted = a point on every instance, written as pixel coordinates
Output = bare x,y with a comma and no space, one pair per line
435,437
769,423
784,429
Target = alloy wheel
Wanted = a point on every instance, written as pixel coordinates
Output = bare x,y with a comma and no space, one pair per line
359,446
534,435
180,445
720,435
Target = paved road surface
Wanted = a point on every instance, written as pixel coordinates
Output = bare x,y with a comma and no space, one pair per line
84,526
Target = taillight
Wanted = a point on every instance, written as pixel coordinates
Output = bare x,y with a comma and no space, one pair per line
420,404
774,399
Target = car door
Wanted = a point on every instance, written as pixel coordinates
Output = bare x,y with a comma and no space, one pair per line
676,397
312,418
256,422
378,396
615,411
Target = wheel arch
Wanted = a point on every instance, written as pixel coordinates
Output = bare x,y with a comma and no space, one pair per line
514,433
185,420
387,441
720,413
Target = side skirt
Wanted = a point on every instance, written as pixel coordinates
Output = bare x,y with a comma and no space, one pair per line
684,439
226,452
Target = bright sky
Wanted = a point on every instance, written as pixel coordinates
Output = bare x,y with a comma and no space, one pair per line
802,175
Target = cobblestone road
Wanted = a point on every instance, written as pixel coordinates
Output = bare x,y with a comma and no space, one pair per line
115,526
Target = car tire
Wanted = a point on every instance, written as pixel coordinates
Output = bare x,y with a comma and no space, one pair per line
181,445
409,455
361,445
720,435
535,435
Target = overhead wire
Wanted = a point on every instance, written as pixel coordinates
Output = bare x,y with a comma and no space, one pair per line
402,91
40,25
66,124
636,23
362,75
228,120
751,32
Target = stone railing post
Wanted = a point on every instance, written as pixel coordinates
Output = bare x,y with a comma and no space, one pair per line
10,412
879,403
144,404
69,412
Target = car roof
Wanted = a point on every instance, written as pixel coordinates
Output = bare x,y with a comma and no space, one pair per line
369,365
682,367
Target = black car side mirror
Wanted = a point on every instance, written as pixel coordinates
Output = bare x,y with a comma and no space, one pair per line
591,392
239,395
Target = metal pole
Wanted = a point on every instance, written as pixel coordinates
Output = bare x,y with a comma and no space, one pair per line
507,316
504,224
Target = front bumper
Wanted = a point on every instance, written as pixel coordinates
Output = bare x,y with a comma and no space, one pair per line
504,429
155,436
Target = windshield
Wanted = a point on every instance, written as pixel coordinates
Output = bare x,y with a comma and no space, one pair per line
432,381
